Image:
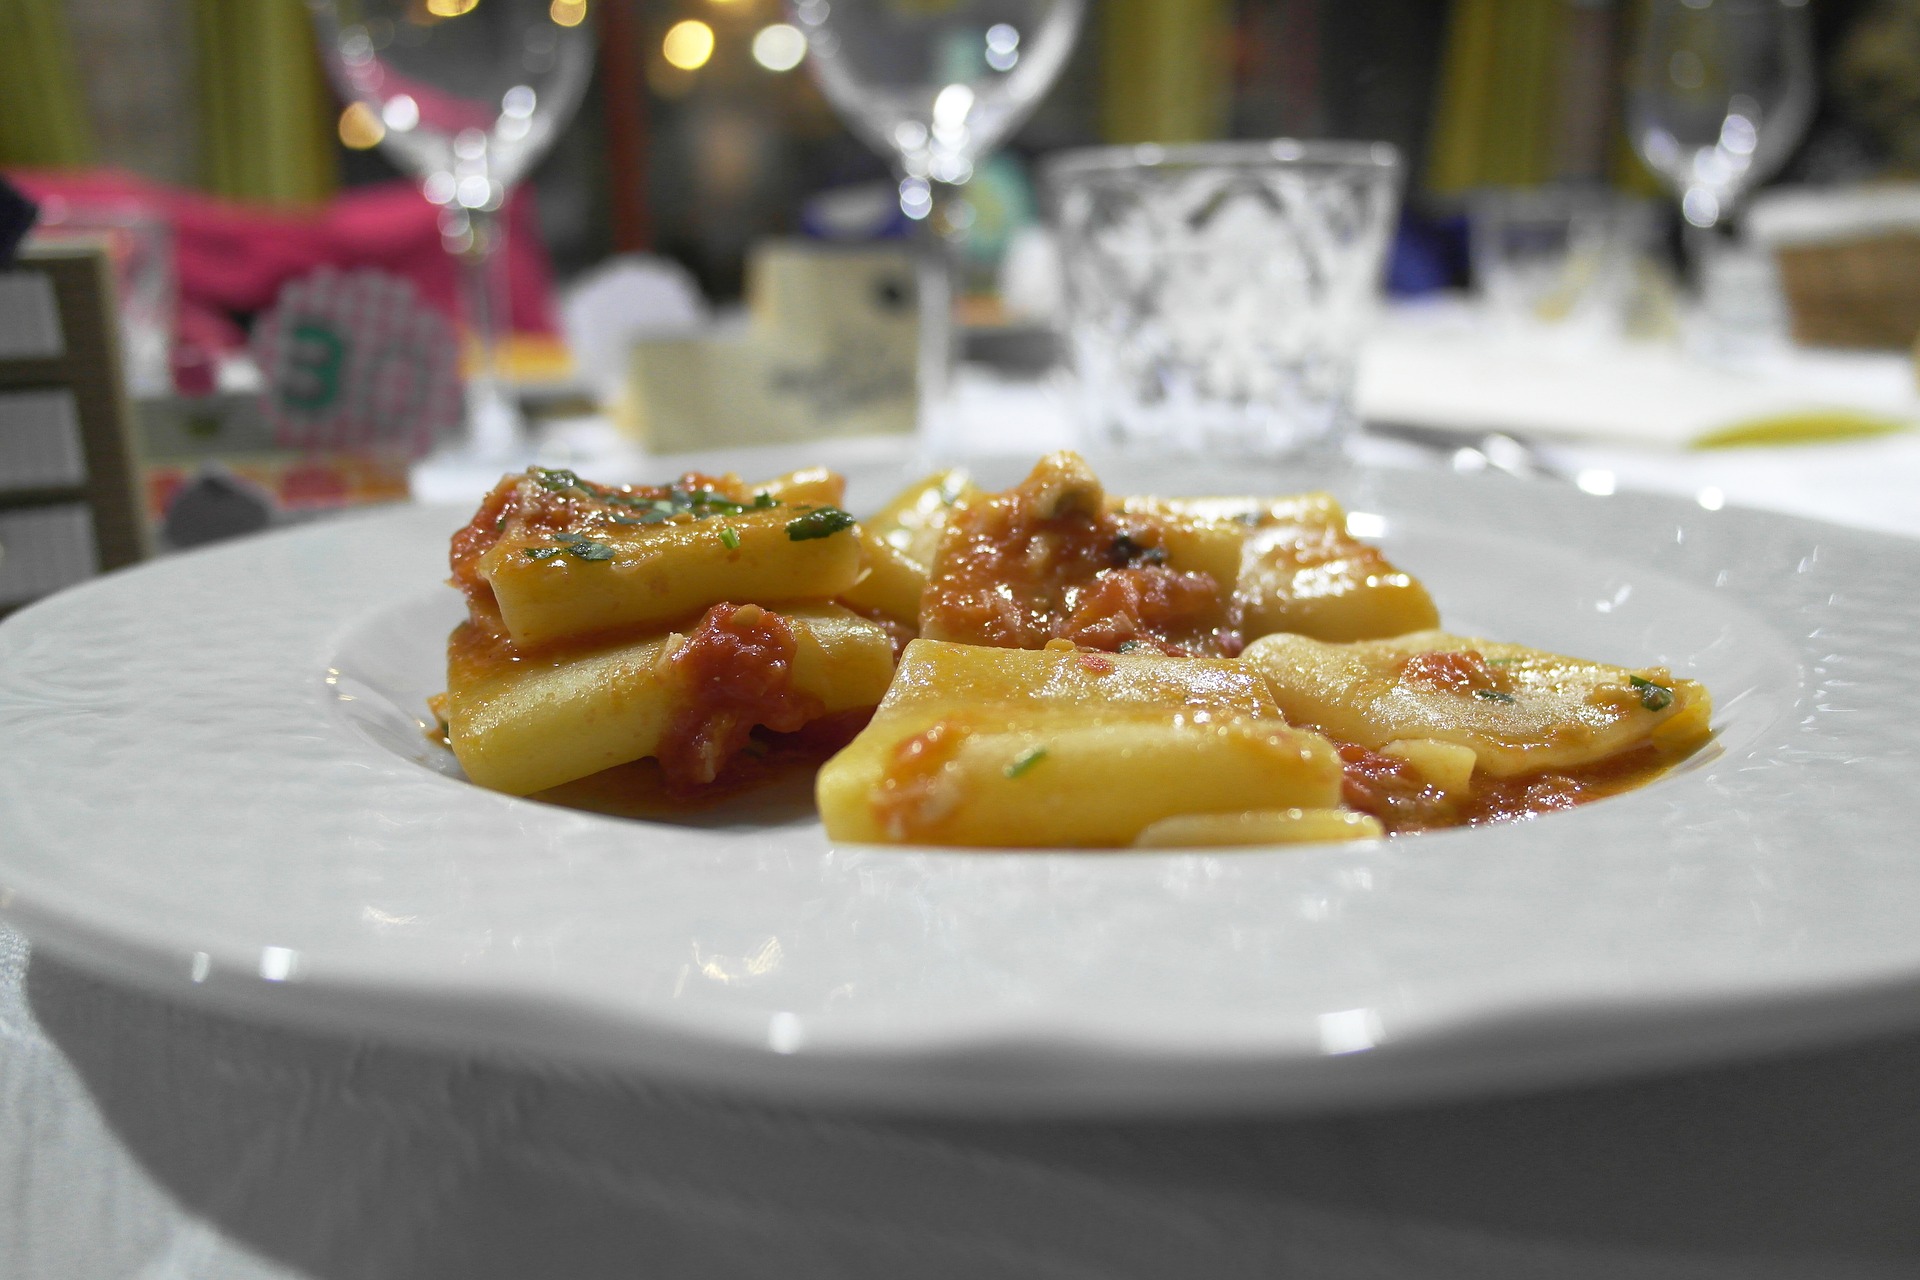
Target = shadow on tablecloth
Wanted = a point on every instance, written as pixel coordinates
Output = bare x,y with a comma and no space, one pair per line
344,1159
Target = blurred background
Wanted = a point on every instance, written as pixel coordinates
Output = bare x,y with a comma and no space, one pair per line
206,143
698,137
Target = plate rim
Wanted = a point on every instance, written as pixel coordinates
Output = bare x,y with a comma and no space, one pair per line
741,1064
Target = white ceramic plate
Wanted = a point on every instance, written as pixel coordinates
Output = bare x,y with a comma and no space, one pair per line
213,782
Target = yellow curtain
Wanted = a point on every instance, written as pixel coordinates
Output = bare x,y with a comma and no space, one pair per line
266,114
1497,117
1625,168
43,117
1629,173
1164,69
1497,114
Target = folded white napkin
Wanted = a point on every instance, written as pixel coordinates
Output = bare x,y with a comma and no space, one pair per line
1441,368
1833,215
620,301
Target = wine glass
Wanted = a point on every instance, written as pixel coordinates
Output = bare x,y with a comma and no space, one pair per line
468,95
1721,90
935,87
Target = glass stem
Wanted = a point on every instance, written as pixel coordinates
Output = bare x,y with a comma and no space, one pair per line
938,240
1699,245
476,237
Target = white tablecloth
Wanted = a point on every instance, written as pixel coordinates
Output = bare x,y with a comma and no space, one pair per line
143,1138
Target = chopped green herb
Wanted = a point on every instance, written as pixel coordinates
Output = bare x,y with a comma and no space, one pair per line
730,536
1128,646
763,500
542,553
556,480
821,522
581,548
1493,695
1654,697
705,502
1025,761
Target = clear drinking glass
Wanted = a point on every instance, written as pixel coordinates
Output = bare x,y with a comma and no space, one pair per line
1561,259
468,95
139,249
1217,294
1719,93
935,87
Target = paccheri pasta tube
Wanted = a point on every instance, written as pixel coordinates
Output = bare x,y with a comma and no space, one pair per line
1045,666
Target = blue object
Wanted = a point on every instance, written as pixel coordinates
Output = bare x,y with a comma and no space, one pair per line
1428,255
868,211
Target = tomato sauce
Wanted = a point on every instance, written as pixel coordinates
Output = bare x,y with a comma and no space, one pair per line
1391,790
735,672
1507,799
911,800
1449,671
1036,564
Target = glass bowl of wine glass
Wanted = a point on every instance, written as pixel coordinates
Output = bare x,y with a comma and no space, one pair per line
935,88
465,96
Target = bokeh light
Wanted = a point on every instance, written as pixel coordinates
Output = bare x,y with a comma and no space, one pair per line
779,47
360,128
568,13
688,44
400,113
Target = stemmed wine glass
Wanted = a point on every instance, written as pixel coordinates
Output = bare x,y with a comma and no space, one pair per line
468,93
935,87
1719,93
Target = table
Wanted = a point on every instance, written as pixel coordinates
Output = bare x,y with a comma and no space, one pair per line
145,1137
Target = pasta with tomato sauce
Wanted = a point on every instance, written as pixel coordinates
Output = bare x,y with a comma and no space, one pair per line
1045,666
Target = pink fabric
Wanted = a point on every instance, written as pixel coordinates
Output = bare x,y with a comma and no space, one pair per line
232,258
